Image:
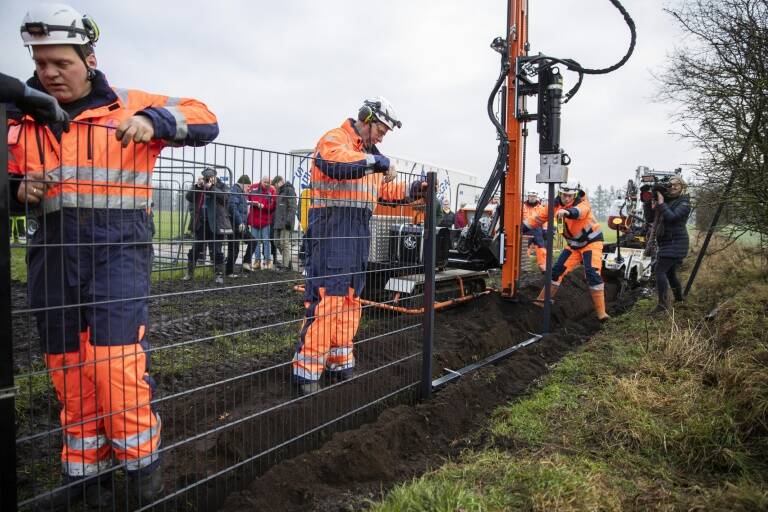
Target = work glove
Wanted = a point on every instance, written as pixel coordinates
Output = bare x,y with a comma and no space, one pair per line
241,228
43,108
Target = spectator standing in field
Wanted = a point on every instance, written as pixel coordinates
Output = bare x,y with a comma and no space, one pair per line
262,199
460,220
211,222
448,216
284,218
238,216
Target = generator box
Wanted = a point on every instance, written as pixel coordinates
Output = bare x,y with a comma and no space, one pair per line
406,244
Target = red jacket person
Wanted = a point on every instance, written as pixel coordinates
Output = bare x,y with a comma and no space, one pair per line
349,176
90,189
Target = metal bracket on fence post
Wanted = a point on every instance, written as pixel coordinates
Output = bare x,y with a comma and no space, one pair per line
7,401
430,230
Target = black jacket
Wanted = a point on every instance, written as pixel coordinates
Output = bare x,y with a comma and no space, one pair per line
285,210
211,208
672,233
448,220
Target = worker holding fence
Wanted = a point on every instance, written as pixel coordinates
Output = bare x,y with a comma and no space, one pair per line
532,207
584,237
89,261
349,175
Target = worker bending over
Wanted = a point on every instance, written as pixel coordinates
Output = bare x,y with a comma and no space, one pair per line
533,207
89,262
349,176
584,243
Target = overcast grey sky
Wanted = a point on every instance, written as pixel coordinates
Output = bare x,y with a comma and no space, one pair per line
279,74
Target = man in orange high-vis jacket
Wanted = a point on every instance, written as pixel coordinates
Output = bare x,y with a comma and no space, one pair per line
89,188
585,243
349,176
532,207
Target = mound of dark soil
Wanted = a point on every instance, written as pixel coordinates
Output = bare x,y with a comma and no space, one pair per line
405,441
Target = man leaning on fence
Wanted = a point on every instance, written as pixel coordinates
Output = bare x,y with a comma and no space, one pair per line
349,176
90,189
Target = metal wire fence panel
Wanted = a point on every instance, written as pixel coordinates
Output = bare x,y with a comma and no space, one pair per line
184,317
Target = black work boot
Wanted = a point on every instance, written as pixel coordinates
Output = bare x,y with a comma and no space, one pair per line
95,491
147,487
678,293
339,375
305,388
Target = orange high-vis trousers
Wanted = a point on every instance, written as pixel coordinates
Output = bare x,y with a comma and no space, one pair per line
105,397
327,336
591,256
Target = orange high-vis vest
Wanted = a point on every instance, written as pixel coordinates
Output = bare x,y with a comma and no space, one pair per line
580,228
344,146
89,168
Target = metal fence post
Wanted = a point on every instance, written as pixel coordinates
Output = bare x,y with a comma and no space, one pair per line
430,230
7,390
551,221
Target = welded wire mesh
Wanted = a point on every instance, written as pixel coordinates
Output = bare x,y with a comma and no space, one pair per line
144,343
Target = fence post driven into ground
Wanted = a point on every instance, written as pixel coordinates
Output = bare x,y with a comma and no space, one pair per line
429,287
7,389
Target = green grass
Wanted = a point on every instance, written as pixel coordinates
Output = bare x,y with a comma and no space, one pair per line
34,390
169,225
19,265
654,413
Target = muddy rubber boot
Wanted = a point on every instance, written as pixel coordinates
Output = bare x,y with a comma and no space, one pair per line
305,388
552,292
97,495
598,299
149,487
334,377
60,500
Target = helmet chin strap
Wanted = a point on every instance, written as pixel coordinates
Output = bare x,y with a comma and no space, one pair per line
91,73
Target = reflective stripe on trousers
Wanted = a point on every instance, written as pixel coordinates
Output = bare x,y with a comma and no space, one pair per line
111,382
326,340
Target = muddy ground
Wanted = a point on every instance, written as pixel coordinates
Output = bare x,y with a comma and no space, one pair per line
221,359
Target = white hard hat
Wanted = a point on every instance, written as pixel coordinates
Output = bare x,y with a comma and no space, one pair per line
571,187
380,109
57,24
532,193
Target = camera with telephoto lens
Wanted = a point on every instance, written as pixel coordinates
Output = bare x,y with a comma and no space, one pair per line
652,185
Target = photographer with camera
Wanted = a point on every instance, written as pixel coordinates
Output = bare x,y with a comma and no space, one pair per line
211,222
673,206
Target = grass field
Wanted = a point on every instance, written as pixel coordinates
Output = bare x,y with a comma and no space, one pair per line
663,412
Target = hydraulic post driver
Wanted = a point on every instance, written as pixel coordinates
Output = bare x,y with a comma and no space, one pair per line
500,246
